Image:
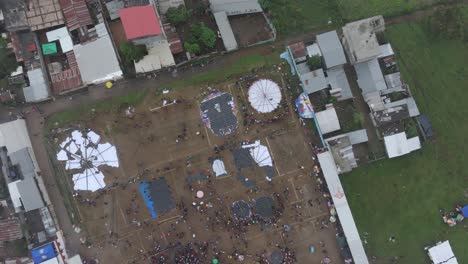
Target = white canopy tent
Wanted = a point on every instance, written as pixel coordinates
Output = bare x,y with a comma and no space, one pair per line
442,253
219,168
259,153
264,96
90,180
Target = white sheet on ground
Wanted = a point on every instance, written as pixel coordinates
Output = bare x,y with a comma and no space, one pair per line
89,180
62,155
259,153
93,137
218,168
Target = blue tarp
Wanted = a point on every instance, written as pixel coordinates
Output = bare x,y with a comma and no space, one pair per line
43,253
465,211
145,190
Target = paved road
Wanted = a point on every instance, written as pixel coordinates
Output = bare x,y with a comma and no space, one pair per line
96,93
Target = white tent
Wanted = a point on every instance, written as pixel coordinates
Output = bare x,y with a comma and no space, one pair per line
442,253
218,168
259,153
89,180
264,96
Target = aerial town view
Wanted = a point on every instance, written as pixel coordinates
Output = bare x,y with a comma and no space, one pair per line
233,131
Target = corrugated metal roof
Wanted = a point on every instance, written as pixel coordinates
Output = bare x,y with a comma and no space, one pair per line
30,195
332,50
23,160
370,77
76,13
14,136
313,81
97,61
337,79
225,29
10,229
235,7
140,21
113,7
37,89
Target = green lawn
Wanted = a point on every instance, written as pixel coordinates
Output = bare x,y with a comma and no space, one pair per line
401,197
357,9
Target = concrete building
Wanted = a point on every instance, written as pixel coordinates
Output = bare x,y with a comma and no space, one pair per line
44,14
360,40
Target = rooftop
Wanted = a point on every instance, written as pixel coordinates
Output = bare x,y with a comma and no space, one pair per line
25,193
328,120
158,57
140,21
341,148
76,13
369,76
398,144
37,89
235,7
360,40
43,14
332,50
10,229
298,50
337,79
312,81
225,30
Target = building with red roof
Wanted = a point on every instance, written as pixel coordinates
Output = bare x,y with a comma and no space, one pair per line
141,23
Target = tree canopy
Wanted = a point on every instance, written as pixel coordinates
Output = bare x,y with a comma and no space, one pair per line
314,62
178,15
131,52
7,60
203,36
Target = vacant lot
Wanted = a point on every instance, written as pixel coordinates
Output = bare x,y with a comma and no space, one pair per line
402,197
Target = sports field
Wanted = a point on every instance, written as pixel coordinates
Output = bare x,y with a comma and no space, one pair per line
401,197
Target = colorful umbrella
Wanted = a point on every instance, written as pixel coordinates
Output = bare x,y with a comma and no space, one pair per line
460,218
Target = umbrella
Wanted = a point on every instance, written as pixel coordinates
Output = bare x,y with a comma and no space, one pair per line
200,194
264,96
109,84
464,211
215,261
451,222
460,218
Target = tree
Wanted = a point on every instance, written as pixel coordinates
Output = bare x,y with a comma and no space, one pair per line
315,62
202,35
192,47
7,60
177,15
131,52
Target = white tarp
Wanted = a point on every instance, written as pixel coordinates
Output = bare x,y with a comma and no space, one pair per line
442,254
264,96
398,145
62,35
85,149
259,153
218,168
328,120
330,174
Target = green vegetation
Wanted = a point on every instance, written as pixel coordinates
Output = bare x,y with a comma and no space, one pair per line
401,197
192,47
449,23
131,52
7,60
202,36
177,15
357,9
16,248
314,62
294,16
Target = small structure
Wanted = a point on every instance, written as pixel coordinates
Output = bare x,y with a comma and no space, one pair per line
237,7
141,24
369,76
10,229
62,35
331,49
385,50
218,112
158,57
298,51
229,40
218,168
164,5
25,195
328,120
76,14
313,50
425,126
264,96
340,202
113,7
442,253
97,59
37,90
399,145
44,253
360,40
342,149
312,81
339,84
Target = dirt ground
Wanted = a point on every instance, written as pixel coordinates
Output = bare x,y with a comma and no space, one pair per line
250,29
119,226
118,33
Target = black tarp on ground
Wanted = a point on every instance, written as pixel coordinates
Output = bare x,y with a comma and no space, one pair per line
197,177
425,125
243,159
162,197
245,181
265,207
219,112
241,210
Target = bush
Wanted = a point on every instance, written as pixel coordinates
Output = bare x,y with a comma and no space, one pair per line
192,47
448,24
7,60
314,62
203,36
131,52
178,15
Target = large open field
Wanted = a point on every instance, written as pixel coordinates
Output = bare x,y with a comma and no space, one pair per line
401,197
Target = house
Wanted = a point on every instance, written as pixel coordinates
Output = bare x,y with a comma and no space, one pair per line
298,51
229,40
76,14
369,76
360,40
342,149
164,5
331,49
42,14
38,89
312,81
10,229
97,59
328,120
399,145
142,25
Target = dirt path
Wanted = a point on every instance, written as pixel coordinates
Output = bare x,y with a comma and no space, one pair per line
96,93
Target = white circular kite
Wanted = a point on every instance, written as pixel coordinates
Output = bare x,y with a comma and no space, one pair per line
264,95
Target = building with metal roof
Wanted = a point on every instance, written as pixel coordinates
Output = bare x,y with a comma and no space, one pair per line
164,5
44,14
158,57
140,22
38,89
25,194
225,30
339,84
369,76
10,229
97,60
235,7
312,81
360,40
113,7
328,120
331,48
76,14
399,145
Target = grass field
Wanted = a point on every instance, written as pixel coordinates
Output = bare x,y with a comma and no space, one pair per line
401,197
357,9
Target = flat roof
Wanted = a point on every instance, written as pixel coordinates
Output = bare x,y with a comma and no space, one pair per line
37,89
14,136
337,79
235,7
313,81
331,48
229,40
158,57
97,61
328,120
338,196
442,253
140,21
43,14
398,145
360,39
369,76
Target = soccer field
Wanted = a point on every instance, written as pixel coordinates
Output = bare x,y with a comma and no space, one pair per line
401,197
